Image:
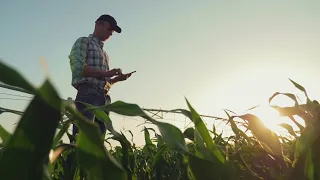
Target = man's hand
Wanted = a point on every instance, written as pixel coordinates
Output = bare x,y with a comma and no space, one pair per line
121,77
116,71
91,72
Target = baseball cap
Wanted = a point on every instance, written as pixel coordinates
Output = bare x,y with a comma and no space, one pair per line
111,20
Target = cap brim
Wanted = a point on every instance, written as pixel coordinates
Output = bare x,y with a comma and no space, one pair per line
117,29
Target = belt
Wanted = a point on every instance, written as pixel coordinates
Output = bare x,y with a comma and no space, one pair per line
92,86
98,88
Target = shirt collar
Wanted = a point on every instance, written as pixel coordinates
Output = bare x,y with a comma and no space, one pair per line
95,39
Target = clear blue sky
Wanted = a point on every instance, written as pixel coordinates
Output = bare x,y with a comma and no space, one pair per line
218,54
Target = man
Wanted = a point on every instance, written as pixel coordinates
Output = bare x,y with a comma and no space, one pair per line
89,64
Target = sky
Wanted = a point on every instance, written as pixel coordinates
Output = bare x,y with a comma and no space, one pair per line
217,54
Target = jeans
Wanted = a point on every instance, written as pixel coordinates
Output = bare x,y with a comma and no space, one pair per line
92,95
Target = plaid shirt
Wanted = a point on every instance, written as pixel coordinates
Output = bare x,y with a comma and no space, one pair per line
88,51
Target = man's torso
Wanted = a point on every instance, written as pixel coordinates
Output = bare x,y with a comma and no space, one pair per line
96,58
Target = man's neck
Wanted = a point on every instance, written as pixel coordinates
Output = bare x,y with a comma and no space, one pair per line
95,35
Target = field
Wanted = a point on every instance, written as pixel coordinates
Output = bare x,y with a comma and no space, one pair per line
35,150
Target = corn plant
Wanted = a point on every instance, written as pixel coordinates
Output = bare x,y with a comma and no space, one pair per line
35,149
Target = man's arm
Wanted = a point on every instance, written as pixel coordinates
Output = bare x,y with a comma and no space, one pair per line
78,62
78,55
91,72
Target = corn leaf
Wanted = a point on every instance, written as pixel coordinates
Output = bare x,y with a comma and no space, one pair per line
4,135
204,169
62,131
12,77
201,150
27,150
172,136
238,132
204,133
91,153
288,128
269,139
147,137
290,95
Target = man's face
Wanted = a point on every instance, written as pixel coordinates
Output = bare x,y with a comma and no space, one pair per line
106,30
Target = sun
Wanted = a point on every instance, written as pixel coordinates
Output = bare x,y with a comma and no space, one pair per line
251,86
270,118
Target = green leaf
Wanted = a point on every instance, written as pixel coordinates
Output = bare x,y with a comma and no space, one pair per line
147,137
201,150
268,139
91,153
158,156
291,96
127,159
172,136
305,142
218,139
63,130
13,78
309,167
301,88
204,133
27,150
204,169
298,170
288,111
189,133
288,128
122,108
131,135
158,162
4,135
301,128
236,130
296,110
248,167
316,157
160,140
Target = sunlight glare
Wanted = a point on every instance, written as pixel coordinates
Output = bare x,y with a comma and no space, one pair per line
270,118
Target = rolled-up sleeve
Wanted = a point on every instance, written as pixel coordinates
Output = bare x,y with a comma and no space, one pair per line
78,56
